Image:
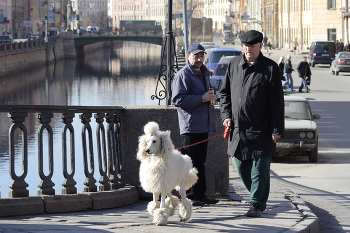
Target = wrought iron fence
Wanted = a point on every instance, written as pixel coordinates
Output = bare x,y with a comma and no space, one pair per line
107,140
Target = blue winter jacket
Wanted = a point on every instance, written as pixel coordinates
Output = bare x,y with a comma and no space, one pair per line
194,115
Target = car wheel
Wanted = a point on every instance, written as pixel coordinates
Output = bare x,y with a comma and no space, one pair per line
313,64
313,154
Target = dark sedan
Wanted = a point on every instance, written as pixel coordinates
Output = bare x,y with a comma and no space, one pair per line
341,63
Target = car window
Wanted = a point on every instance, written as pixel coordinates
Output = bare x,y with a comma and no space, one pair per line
215,57
324,46
228,34
299,110
220,69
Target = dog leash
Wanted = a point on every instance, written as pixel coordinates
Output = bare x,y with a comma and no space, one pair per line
226,133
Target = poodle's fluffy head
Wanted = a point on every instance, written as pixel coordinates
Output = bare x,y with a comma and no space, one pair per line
154,142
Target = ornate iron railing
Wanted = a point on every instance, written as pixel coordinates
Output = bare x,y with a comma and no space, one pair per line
109,154
166,71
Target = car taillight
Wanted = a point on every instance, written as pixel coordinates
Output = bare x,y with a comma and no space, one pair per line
314,54
340,62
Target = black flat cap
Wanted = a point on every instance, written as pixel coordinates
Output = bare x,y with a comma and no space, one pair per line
251,37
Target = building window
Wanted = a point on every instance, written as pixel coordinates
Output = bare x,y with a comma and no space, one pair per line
92,13
87,13
98,3
81,13
103,3
332,34
98,14
331,4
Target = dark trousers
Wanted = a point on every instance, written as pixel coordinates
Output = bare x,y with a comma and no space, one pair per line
198,154
255,175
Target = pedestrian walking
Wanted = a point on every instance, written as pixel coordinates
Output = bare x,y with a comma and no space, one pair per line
281,66
295,44
288,69
196,114
304,73
252,105
347,47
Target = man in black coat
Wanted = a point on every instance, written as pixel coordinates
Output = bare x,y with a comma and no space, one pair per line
304,73
252,105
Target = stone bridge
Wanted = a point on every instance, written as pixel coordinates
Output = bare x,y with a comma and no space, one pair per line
153,37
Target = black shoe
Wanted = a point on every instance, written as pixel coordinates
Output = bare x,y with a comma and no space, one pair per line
300,91
197,203
254,211
208,201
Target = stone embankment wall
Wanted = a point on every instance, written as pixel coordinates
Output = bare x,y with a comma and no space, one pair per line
19,57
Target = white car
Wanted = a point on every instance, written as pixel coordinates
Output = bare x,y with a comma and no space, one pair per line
300,134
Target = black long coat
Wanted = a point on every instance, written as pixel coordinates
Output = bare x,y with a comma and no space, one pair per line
304,69
252,96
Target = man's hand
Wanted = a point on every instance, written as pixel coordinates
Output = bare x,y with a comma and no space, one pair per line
208,96
275,137
227,122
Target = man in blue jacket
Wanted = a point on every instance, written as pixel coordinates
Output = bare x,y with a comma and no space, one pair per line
196,115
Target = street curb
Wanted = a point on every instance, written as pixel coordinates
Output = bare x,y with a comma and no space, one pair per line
310,222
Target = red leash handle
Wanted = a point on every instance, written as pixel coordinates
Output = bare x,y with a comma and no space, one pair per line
226,134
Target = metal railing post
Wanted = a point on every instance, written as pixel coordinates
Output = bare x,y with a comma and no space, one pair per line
102,155
46,184
18,185
90,180
69,182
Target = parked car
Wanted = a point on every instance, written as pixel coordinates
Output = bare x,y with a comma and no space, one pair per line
227,38
92,29
341,63
217,77
215,54
207,43
300,134
322,52
5,39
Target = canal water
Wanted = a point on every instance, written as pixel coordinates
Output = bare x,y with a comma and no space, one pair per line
125,74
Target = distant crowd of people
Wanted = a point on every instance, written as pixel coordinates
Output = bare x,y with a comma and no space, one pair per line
341,47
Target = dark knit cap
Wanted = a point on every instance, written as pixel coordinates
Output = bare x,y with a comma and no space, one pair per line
251,37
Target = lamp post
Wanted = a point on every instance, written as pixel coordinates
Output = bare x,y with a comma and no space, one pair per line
169,44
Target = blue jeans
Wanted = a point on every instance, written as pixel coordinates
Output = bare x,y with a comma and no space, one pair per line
289,81
303,84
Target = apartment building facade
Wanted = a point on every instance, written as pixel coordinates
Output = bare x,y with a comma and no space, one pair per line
86,13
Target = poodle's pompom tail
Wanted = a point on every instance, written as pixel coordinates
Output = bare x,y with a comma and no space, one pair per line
185,210
192,178
151,128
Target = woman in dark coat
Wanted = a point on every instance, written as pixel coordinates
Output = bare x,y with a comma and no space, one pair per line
304,73
281,66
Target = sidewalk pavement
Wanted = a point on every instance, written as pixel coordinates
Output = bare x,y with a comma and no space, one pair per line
285,213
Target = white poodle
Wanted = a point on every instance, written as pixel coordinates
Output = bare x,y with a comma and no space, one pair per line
163,169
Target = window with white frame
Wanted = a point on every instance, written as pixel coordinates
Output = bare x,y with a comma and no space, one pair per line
92,13
103,3
87,3
81,13
87,13
98,14
98,3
